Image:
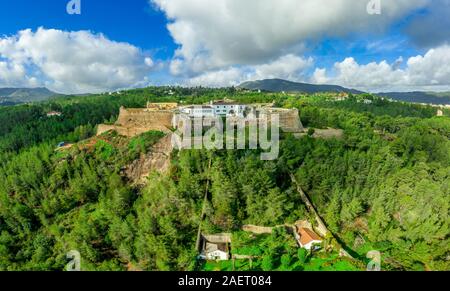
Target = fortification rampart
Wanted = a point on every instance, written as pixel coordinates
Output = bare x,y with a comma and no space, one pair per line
144,118
132,122
289,118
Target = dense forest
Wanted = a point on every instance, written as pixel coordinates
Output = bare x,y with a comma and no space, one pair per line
384,186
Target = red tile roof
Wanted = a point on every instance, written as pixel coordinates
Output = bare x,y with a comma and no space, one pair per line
307,236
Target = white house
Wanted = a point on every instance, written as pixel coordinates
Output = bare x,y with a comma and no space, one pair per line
217,252
308,239
216,247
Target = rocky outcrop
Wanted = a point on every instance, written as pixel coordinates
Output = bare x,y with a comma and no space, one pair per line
157,159
289,119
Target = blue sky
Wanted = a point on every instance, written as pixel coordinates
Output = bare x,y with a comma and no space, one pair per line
223,43
133,21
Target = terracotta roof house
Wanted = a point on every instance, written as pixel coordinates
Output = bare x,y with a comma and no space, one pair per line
307,238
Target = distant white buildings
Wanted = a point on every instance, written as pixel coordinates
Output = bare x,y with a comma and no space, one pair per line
54,113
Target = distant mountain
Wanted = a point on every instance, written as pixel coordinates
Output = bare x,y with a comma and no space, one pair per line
419,97
279,85
11,96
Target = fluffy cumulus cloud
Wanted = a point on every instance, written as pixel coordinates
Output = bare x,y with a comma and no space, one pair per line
431,70
70,62
14,75
220,78
286,67
226,42
428,71
215,34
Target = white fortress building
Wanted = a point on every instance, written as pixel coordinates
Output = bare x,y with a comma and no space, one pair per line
219,108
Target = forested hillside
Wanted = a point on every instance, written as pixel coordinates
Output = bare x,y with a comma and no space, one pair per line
23,95
279,85
384,186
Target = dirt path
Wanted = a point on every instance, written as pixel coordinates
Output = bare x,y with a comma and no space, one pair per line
321,228
202,216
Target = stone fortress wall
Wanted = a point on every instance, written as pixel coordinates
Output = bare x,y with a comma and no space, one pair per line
145,118
289,118
136,121
160,116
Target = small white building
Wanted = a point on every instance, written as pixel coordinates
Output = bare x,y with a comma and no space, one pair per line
216,247
217,252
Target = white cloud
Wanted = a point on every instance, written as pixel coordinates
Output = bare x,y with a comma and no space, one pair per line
213,35
221,78
286,67
12,75
319,76
70,62
432,70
